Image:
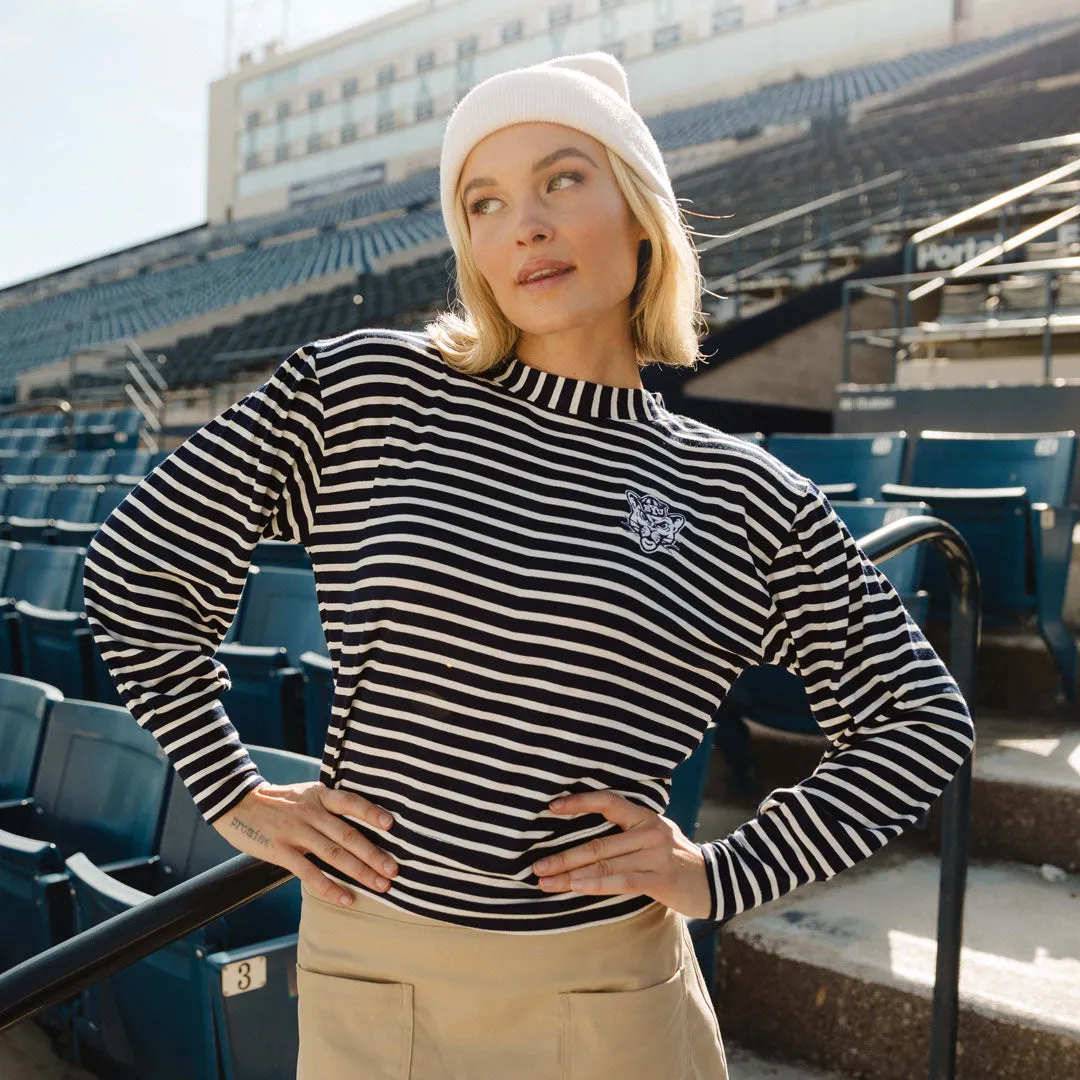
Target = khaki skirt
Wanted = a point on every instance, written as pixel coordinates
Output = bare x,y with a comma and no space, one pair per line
388,995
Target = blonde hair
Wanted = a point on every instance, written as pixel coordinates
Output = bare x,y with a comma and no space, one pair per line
665,317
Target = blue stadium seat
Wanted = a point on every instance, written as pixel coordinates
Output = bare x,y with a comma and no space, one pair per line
24,713
79,533
867,461
25,501
126,427
177,1014
90,466
265,703
51,466
1007,495
141,467
71,502
58,647
129,462
318,674
20,468
1041,462
99,788
281,553
34,441
45,575
277,619
279,606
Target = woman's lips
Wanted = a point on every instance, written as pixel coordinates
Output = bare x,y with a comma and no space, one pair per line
545,282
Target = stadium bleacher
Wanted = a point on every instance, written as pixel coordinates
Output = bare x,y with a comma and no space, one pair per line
36,329
79,852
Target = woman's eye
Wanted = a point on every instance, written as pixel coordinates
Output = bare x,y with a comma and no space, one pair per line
479,202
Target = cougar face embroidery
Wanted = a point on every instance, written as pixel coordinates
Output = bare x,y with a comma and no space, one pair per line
653,522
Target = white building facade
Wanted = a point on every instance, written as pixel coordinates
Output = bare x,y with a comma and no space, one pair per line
369,106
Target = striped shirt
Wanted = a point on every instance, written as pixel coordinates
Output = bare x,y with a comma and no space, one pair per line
530,585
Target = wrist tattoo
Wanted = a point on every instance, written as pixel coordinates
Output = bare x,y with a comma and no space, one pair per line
250,831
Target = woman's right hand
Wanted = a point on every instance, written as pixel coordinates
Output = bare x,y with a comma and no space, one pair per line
281,823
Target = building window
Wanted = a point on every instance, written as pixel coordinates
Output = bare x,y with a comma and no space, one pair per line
348,133
559,15
726,20
315,99
426,60
283,109
385,121
252,119
616,49
281,152
512,31
424,109
467,46
251,161
314,143
665,37
385,75
350,88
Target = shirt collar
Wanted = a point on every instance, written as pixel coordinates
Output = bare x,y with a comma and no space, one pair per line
577,397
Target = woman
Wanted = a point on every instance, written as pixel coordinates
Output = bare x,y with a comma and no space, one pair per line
535,581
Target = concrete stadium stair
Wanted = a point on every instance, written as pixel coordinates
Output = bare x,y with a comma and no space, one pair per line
840,974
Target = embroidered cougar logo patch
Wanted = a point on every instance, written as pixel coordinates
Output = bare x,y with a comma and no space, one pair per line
651,518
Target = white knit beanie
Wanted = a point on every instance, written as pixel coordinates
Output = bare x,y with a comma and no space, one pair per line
586,91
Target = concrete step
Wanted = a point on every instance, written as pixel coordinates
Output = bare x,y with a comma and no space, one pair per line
840,973
1015,672
745,1064
26,1053
1025,789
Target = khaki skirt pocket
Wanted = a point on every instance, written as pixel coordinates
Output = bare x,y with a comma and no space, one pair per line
352,1027
625,1034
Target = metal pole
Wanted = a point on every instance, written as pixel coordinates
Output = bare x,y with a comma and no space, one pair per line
1047,347
228,35
964,636
846,346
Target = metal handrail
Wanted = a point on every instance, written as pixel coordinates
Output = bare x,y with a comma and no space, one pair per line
802,210
67,968
900,332
965,632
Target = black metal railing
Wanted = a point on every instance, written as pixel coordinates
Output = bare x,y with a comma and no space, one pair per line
67,968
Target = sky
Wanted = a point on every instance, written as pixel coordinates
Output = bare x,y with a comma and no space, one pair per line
105,113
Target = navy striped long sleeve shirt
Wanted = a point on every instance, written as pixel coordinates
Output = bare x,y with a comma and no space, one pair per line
530,586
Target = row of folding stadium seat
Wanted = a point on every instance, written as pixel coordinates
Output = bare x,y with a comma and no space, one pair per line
89,430
1020,295
80,466
1007,494
275,649
56,421
93,821
67,514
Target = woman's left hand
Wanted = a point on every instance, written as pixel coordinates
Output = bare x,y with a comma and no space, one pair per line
651,856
